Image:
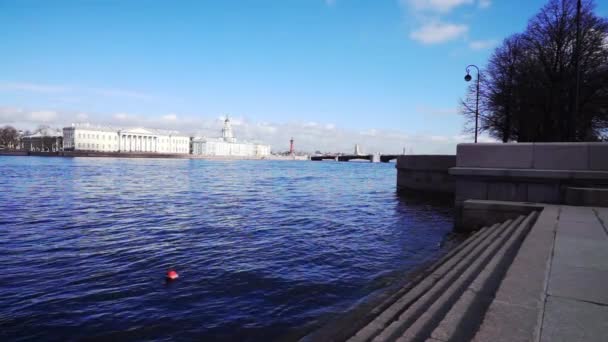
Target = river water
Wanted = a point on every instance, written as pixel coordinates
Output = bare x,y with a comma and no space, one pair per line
262,248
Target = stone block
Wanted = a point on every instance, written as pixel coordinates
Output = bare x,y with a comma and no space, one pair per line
583,230
426,162
460,323
510,156
543,193
579,283
512,192
524,283
508,323
474,214
580,252
470,189
577,214
602,213
598,156
547,220
597,197
561,156
427,181
522,208
570,320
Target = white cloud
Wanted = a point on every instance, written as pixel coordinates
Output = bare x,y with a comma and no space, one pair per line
42,116
28,118
370,132
121,116
82,117
56,89
437,32
433,24
266,127
482,44
33,87
485,3
440,6
121,93
233,120
325,137
170,117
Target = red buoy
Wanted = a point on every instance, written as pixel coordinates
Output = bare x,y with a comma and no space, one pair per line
172,275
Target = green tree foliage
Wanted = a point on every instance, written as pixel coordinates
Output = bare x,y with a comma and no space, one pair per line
528,88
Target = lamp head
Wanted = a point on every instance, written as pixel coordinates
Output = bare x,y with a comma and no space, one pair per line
467,78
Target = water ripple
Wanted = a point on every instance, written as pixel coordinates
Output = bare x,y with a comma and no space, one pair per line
261,247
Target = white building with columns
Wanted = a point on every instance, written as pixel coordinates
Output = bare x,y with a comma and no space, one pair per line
85,137
227,145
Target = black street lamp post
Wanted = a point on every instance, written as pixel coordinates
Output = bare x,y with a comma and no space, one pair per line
467,78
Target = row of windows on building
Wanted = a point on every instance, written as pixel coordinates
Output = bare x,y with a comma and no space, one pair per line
96,146
95,136
114,146
103,137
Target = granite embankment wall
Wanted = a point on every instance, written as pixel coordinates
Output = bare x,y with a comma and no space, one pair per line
529,172
13,153
425,173
553,173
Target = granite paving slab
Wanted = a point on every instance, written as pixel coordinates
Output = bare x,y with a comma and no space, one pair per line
571,320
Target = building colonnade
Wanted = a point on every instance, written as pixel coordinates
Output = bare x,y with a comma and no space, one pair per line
138,143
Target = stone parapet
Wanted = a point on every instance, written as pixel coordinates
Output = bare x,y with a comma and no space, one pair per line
530,172
511,156
440,162
538,156
425,173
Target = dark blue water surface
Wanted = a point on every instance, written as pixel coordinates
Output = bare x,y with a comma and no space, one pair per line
262,247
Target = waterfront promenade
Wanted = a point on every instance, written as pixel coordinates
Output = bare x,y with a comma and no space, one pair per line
539,276
555,289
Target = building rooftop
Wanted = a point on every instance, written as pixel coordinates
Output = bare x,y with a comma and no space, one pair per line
46,132
136,130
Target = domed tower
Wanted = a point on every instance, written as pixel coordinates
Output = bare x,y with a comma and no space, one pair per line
227,131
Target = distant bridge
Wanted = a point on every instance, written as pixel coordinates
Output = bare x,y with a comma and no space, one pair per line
385,158
369,157
319,158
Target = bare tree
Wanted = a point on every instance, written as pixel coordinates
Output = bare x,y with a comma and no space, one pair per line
9,137
529,86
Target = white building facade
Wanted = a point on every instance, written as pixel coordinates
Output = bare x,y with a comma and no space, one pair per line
103,139
227,145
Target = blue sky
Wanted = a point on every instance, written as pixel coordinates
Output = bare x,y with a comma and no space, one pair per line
382,73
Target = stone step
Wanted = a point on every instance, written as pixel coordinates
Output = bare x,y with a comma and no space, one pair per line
592,197
456,266
463,319
388,313
428,320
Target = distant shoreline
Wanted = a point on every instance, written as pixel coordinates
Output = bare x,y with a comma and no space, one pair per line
72,154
